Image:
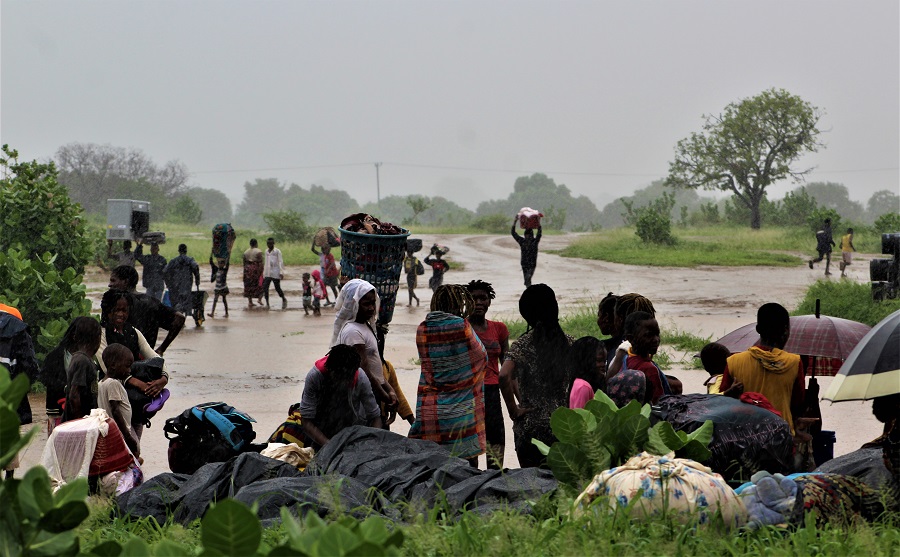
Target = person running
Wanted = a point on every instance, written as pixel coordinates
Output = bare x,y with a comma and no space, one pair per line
529,246
824,243
253,273
178,274
495,337
153,265
274,272
847,249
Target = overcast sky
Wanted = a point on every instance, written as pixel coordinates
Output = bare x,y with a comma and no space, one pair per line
454,98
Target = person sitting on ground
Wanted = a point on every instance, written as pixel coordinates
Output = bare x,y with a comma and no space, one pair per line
642,334
766,368
336,395
112,397
714,358
147,314
587,370
450,397
536,361
81,373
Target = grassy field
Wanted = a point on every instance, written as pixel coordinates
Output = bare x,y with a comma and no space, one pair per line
847,300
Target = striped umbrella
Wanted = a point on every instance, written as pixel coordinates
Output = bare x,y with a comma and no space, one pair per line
873,368
826,340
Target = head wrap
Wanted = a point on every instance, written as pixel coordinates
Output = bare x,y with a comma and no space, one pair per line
347,305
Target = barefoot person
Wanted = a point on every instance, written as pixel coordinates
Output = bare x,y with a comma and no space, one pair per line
529,246
824,243
274,272
847,249
253,271
220,276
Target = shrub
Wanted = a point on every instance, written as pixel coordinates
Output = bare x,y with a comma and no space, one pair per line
288,226
48,299
495,224
38,216
888,222
653,222
848,300
185,211
815,219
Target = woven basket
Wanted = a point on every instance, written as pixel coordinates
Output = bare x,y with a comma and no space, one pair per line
377,259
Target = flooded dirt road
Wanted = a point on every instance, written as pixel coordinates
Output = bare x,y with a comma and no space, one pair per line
256,360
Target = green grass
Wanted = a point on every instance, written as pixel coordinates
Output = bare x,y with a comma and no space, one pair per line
846,299
723,246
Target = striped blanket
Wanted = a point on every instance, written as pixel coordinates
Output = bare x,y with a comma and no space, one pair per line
450,397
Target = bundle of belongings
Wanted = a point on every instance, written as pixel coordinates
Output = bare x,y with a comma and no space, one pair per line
529,218
208,432
326,237
93,448
223,240
648,485
364,223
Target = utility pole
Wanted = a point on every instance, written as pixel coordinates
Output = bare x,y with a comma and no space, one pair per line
378,182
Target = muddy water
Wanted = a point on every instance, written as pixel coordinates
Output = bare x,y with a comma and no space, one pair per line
257,360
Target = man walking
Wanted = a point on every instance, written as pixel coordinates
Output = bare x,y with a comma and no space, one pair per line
529,247
153,266
274,272
178,274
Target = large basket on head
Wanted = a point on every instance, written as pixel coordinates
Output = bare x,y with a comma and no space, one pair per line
377,259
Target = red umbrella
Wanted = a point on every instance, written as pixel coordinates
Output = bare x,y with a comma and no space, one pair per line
826,340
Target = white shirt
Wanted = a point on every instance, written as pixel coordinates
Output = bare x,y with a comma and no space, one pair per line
274,263
354,333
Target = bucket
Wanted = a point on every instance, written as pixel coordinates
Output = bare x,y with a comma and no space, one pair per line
823,446
378,260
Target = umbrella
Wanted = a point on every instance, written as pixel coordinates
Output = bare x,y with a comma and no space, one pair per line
873,368
827,340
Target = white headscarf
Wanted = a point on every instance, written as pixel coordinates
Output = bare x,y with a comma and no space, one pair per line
347,305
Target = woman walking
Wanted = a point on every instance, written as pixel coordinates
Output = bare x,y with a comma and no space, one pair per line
253,269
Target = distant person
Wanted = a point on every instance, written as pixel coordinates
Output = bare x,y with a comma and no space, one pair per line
153,265
254,262
495,337
147,314
847,249
319,292
336,395
220,290
606,322
438,267
824,243
274,272
307,295
179,273
413,268
81,373
17,356
587,370
112,397
124,257
330,274
766,368
529,246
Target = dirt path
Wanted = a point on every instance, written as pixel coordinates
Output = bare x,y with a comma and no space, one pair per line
257,360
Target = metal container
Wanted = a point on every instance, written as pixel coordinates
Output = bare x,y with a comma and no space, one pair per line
126,219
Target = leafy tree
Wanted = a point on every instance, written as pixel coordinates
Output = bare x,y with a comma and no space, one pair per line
795,207
288,226
540,192
324,207
185,210
260,197
882,202
441,212
816,219
38,216
748,147
835,196
613,213
215,205
94,173
418,204
887,223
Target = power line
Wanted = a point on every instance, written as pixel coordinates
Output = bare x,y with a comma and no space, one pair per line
235,170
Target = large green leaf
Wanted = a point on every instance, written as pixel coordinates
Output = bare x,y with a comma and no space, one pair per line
590,421
374,530
694,450
633,408
703,434
167,548
107,549
662,439
336,540
73,491
231,529
541,446
66,517
567,425
569,464
136,547
10,440
599,409
48,544
603,399
35,496
629,437
15,391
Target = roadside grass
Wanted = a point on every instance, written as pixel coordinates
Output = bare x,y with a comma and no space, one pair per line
721,246
846,299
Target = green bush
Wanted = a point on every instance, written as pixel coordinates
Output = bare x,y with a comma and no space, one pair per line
185,210
37,216
495,224
888,222
49,299
815,219
847,300
288,226
652,222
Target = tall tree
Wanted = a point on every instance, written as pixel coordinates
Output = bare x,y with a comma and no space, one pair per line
748,147
882,202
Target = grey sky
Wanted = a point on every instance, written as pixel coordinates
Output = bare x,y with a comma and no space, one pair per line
596,94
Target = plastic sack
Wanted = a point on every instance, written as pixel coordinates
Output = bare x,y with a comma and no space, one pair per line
649,485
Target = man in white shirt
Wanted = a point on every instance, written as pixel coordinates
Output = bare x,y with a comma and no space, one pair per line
274,272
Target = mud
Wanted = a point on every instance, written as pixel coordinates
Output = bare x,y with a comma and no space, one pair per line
257,359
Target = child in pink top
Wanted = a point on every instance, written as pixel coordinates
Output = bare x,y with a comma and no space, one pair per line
587,370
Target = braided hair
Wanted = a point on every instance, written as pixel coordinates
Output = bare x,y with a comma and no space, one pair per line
629,303
481,285
453,298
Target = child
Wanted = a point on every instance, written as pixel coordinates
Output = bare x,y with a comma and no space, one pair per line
847,250
330,274
81,373
318,292
714,357
220,276
438,265
411,266
307,294
642,331
112,396
587,370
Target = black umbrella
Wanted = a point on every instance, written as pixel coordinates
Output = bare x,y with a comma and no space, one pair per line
873,368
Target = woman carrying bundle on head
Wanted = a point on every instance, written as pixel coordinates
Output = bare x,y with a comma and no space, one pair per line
537,362
450,397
